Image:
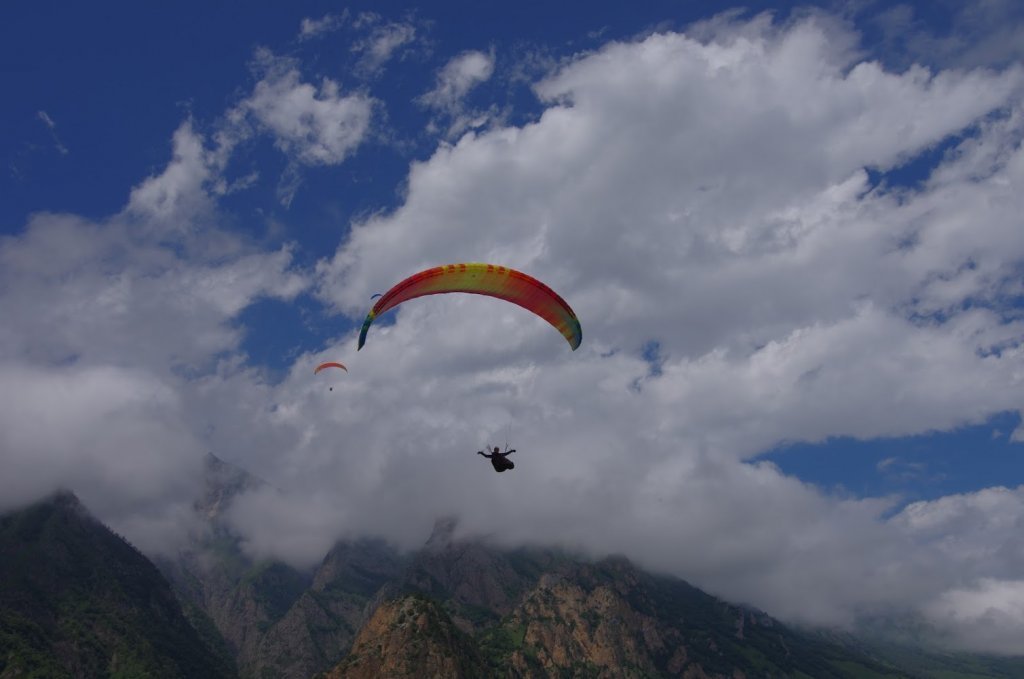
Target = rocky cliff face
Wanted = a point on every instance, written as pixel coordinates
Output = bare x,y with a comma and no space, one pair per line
565,625
320,626
482,584
411,637
611,619
603,620
538,613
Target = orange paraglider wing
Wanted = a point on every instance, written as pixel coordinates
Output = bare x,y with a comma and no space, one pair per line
331,364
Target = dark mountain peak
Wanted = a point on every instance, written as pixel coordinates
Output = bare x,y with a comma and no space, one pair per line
362,565
59,521
65,497
78,600
618,562
60,500
223,481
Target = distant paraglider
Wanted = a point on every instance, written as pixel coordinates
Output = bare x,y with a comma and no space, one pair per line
483,279
329,364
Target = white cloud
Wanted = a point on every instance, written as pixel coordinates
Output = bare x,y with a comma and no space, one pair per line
328,23
304,535
314,126
102,322
986,617
177,197
381,45
460,75
52,127
976,538
1017,435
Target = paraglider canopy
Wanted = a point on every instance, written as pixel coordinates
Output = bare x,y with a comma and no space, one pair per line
330,364
483,279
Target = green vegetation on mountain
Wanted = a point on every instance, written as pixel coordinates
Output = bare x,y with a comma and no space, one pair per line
925,660
77,600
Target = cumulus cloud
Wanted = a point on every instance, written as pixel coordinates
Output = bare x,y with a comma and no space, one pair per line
312,126
105,321
315,126
460,75
307,535
977,537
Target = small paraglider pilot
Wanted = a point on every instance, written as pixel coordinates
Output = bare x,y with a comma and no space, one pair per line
499,460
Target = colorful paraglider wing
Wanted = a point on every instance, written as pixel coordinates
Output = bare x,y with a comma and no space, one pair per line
483,279
323,366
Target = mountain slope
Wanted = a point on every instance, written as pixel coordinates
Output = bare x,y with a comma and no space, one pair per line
274,620
411,637
543,613
320,627
241,597
77,600
610,618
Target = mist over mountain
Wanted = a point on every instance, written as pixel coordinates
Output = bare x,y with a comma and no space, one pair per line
78,600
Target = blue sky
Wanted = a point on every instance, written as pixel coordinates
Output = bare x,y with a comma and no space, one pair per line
788,229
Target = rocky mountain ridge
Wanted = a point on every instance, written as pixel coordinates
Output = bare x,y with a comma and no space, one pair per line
454,608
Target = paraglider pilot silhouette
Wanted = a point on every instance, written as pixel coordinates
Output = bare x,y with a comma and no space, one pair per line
499,460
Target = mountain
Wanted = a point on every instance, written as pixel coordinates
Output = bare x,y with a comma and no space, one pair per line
320,626
923,659
456,606
545,613
275,620
542,613
240,598
609,618
77,600
411,637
